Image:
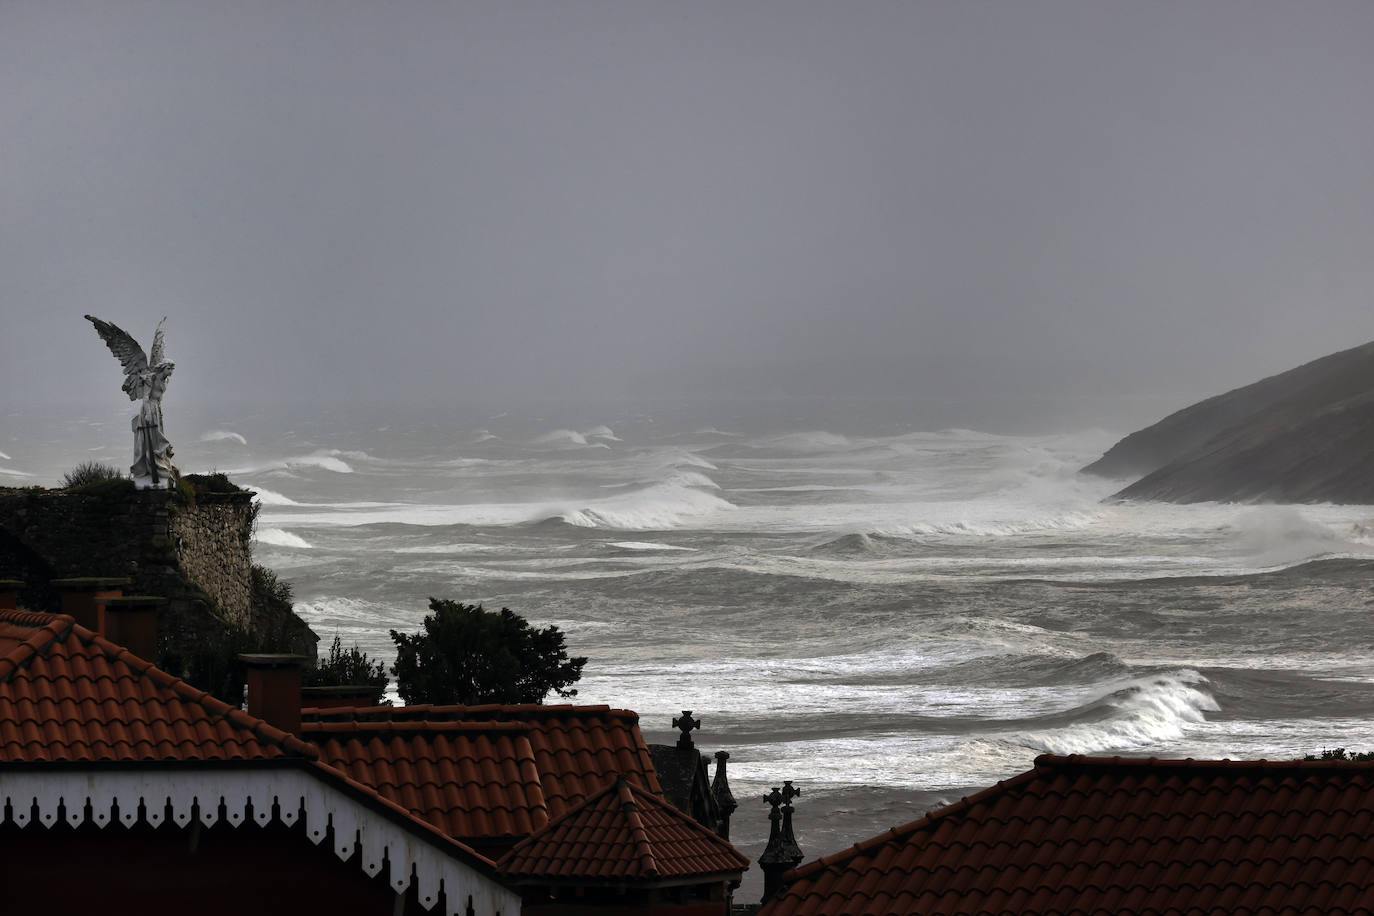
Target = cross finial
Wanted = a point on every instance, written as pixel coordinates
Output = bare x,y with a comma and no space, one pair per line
782,851
686,723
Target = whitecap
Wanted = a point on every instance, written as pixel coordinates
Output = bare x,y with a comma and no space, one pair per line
326,460
601,432
646,545
653,508
1143,713
273,498
279,538
222,435
561,437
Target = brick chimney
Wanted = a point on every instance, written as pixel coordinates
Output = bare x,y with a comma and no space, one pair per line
81,597
274,689
9,593
131,621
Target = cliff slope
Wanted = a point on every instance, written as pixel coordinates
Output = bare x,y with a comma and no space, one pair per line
1306,435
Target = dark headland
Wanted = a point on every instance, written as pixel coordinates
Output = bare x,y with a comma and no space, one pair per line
1302,436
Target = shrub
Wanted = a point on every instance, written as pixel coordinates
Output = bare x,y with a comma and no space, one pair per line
88,472
345,669
1340,753
268,590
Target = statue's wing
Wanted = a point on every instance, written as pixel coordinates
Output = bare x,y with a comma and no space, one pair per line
127,351
157,355
124,347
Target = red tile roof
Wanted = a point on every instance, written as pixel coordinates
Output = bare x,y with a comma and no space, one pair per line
72,698
577,749
1098,836
67,694
626,834
469,779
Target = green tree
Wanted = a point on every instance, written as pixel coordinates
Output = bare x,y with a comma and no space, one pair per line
467,655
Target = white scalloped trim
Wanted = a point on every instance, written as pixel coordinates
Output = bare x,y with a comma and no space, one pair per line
296,791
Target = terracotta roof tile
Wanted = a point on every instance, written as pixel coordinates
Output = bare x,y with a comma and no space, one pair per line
443,772
67,694
1098,836
625,833
576,750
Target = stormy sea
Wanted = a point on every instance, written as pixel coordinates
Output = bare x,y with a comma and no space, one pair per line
891,616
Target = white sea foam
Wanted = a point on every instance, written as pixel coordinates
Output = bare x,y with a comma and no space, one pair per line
679,457
273,498
646,545
601,432
1067,521
222,435
814,441
327,460
1145,712
1272,536
653,508
4,457
561,437
279,538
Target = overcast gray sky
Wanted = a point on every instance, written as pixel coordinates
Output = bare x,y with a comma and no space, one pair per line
413,201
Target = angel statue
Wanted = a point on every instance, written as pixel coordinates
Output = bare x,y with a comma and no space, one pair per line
145,376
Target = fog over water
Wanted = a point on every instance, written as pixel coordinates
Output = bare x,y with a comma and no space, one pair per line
1053,201
754,344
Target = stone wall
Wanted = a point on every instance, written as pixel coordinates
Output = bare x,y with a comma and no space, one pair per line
192,548
212,542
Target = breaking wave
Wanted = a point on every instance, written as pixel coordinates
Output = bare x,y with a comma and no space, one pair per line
567,438
1067,521
273,498
279,538
222,435
645,545
1136,715
1283,535
326,460
653,508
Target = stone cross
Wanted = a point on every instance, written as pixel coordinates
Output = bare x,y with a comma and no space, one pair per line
686,723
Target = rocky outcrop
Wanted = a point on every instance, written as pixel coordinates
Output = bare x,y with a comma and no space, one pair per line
1306,435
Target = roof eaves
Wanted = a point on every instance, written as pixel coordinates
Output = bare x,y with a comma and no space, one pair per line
369,796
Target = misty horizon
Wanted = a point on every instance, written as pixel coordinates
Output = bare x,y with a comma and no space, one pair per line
1054,212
